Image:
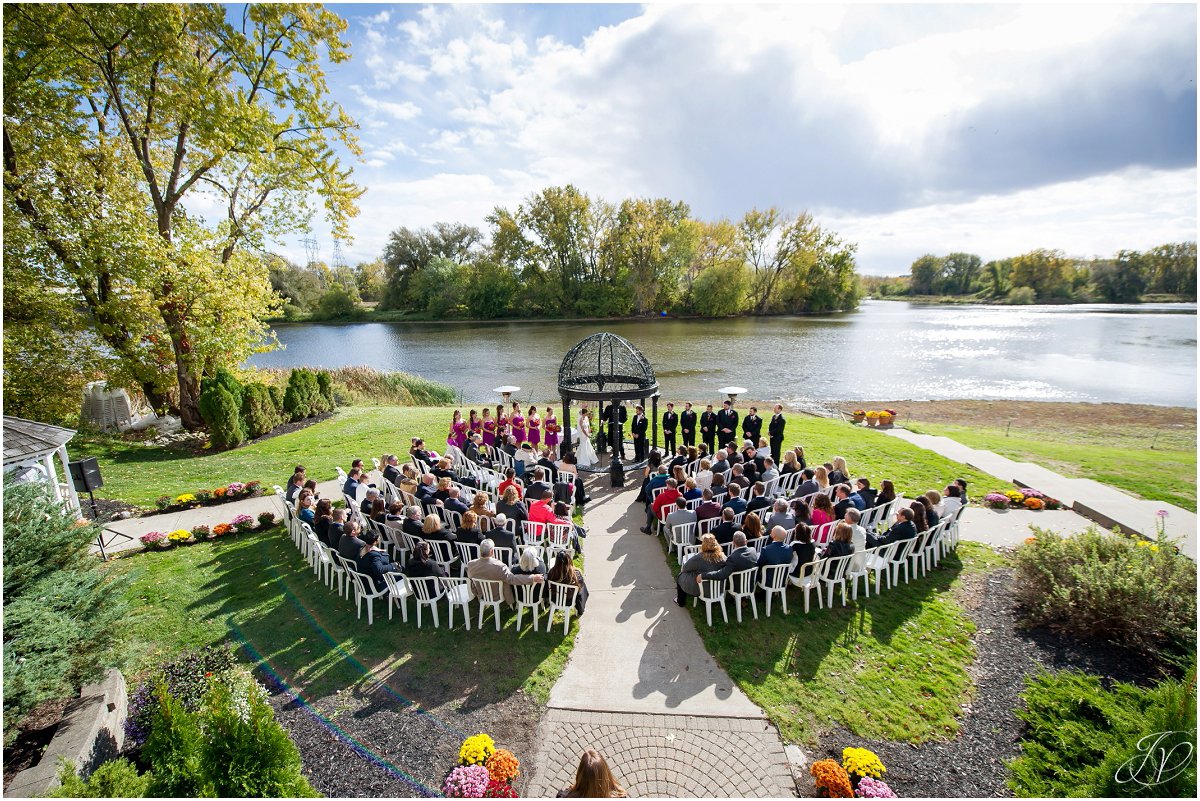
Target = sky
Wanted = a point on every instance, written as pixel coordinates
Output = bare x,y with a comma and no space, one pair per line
907,129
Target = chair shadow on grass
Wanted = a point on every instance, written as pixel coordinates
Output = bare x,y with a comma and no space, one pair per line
279,611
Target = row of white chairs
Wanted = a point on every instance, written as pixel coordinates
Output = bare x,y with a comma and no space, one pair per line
458,592
920,553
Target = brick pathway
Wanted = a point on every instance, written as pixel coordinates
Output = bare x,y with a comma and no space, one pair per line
640,686
665,756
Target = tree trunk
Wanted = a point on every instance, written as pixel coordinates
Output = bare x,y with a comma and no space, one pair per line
187,377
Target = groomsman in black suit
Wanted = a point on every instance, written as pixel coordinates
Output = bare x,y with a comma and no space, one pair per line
638,429
752,426
775,430
708,429
670,423
727,420
687,425
617,414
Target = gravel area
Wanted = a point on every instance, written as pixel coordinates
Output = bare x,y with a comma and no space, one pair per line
360,743
973,764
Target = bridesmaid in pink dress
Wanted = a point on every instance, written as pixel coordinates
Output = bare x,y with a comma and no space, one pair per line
518,423
551,425
502,429
450,437
489,428
535,427
474,424
458,431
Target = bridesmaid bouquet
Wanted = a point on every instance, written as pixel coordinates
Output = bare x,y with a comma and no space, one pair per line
553,428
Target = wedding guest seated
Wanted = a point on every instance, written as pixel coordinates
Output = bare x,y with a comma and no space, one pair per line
525,459
569,464
931,515
375,561
769,472
479,505
842,501
858,538
840,474
469,531
353,479
803,548
421,563
822,510
953,500
295,484
840,542
780,516
531,565
413,524
350,544
790,465
708,507
799,451
775,552
311,486
442,469
741,557
902,529
704,476
752,526
323,516
454,503
863,488
961,483
886,494
378,511
434,529
564,572
442,493
725,530
681,457
391,468
500,534
489,568
305,504
473,451
547,464
369,501
801,511
758,497
658,479
719,490
709,558
538,484
690,491
918,519
337,526
665,499
809,485
510,505
735,502
680,515
409,479
418,452
510,480
395,515
720,462
738,479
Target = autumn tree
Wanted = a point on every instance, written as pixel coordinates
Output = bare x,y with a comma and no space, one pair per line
1048,273
926,274
121,121
409,251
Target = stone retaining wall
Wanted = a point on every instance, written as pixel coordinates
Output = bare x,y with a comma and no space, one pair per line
92,732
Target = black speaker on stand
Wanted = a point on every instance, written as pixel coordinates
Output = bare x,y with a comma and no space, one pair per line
85,475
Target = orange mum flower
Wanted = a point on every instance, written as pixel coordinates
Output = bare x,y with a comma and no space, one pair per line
503,766
832,779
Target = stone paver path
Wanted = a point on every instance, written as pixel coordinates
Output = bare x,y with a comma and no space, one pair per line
1101,503
641,688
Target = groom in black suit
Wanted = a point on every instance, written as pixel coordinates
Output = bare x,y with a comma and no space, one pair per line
638,429
670,424
775,429
687,425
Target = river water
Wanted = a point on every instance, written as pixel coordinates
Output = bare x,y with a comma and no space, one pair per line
884,350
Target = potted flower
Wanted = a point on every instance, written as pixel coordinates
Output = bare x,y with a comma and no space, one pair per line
997,500
484,771
221,529
886,417
873,788
1035,504
156,540
240,523
872,418
265,520
831,779
201,533
180,536
860,763
859,415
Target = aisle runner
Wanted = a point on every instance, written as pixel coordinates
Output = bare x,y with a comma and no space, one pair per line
641,688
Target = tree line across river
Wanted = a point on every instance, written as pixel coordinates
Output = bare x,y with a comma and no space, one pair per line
1166,271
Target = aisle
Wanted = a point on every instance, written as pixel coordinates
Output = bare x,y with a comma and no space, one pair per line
641,688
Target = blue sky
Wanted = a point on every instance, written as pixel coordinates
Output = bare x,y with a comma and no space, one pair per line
907,129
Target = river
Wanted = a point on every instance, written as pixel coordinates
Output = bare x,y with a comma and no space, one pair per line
885,349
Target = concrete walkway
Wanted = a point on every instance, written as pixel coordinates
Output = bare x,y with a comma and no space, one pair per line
641,688
1107,506
122,535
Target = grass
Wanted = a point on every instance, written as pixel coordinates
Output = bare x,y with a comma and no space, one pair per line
138,474
892,667
257,591
1120,457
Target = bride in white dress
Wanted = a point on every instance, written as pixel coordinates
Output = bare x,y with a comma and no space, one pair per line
585,453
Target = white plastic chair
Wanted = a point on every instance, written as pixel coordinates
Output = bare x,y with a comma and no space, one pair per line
341,474
428,590
398,593
458,593
773,580
347,568
559,538
879,563
467,552
833,574
808,580
532,533
899,558
528,596
489,593
855,570
443,553
560,597
364,590
682,534
741,587
712,592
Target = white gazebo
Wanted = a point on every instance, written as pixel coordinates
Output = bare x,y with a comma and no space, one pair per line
31,444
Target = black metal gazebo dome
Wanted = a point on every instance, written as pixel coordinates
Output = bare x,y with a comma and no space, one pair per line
608,368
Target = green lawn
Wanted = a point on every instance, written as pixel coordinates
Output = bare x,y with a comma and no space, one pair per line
1121,459
892,667
139,474
257,590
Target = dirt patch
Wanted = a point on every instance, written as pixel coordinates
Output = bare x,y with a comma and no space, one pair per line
974,763
374,742
35,733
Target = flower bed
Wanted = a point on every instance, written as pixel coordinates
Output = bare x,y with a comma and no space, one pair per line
160,541
858,776
1024,498
234,491
484,771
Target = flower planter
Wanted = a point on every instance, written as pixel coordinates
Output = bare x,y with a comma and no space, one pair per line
860,416
872,421
886,419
